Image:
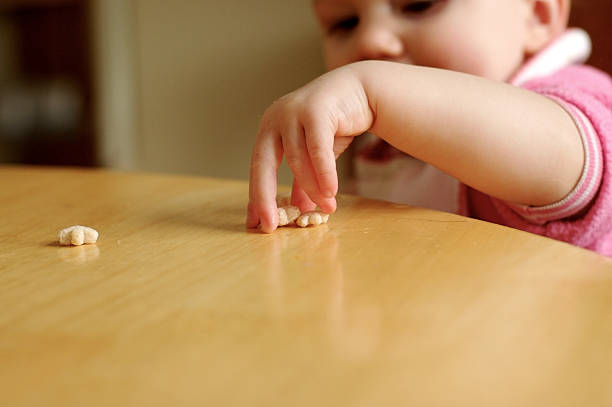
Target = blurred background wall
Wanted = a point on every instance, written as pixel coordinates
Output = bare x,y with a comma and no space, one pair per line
47,112
206,72
174,86
167,86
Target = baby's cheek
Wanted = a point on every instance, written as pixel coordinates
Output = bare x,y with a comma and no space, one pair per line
464,56
442,52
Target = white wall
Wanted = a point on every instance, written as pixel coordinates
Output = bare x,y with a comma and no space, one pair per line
203,73
117,106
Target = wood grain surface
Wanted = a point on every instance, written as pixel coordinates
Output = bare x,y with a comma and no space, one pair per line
387,305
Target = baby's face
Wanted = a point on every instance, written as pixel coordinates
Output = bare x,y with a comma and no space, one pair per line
480,37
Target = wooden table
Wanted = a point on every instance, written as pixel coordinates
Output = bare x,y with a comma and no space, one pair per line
387,305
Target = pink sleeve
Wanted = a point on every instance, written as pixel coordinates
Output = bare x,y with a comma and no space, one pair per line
584,218
585,190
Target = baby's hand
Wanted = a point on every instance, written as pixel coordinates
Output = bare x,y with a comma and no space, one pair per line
311,127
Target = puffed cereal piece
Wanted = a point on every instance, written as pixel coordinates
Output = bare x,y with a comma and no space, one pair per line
77,235
312,218
287,214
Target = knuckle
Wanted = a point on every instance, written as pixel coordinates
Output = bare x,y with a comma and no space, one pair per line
326,174
311,115
318,153
322,159
294,161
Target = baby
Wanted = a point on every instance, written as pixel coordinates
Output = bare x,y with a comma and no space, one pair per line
483,102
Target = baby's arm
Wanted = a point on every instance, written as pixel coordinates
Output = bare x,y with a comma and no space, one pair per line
506,142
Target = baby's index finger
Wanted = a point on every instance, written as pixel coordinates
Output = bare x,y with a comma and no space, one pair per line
265,160
267,223
263,216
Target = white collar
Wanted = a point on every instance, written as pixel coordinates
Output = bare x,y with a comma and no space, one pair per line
571,47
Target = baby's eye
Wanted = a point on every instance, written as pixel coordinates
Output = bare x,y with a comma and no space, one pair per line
417,6
344,24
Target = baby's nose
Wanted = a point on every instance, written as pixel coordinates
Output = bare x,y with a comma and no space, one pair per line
377,40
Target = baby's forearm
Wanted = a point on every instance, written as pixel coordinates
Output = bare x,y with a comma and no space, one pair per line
505,141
